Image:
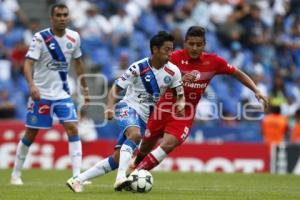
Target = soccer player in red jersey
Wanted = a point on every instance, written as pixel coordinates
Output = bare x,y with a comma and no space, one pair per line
197,68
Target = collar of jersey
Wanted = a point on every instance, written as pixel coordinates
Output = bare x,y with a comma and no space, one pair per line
188,57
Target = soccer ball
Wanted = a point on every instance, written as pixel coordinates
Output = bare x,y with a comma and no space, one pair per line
141,181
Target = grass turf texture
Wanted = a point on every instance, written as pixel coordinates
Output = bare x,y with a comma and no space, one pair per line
50,185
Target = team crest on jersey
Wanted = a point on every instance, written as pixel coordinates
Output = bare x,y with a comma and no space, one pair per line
167,79
33,119
69,45
197,74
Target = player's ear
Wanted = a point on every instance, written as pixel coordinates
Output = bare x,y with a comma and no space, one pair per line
155,49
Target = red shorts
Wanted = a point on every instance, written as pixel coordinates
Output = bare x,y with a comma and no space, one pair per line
168,123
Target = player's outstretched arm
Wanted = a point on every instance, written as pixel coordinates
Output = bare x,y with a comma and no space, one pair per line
111,100
79,68
247,81
34,91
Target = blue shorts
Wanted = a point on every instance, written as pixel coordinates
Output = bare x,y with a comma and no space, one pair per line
127,117
40,113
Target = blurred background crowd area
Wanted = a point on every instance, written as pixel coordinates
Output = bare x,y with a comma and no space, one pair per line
261,37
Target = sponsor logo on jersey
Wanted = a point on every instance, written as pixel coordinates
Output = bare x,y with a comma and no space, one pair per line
55,65
186,62
44,109
148,78
71,39
52,46
145,70
167,79
195,85
169,71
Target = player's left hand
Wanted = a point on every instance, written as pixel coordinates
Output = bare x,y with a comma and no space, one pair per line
263,99
180,111
109,114
189,77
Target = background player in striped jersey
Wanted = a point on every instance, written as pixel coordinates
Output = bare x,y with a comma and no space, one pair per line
46,69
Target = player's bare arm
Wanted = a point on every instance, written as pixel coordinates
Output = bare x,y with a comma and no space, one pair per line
34,91
180,101
111,100
80,71
246,80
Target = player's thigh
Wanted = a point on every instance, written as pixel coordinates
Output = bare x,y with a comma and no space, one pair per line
180,129
148,144
70,128
126,117
39,115
65,110
155,129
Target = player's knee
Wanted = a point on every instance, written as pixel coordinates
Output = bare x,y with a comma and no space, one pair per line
116,155
168,146
30,134
71,129
135,137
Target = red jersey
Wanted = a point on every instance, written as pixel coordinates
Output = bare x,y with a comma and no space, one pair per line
205,68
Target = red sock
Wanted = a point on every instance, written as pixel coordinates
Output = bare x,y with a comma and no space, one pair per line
148,163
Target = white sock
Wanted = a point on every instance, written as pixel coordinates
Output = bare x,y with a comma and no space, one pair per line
159,154
75,152
126,152
102,167
21,153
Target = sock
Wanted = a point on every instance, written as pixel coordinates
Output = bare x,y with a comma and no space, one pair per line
152,159
126,152
75,153
21,153
139,157
102,167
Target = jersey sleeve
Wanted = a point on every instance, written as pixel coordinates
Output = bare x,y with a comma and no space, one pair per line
77,51
177,79
128,77
35,47
224,67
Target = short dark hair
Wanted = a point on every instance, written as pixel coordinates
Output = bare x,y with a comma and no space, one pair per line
297,113
195,31
275,109
57,5
159,39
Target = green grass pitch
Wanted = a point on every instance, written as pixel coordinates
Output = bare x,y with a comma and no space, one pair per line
50,185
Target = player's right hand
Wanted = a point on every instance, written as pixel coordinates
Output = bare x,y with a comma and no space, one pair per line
35,93
189,77
109,114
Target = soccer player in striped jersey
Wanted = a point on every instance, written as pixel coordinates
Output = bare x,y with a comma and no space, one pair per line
46,69
145,80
